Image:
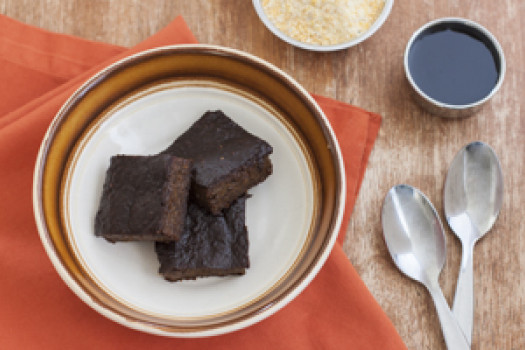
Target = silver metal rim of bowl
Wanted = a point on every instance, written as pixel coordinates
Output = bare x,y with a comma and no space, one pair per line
444,109
324,48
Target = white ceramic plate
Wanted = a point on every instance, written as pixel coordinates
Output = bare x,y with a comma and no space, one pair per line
279,212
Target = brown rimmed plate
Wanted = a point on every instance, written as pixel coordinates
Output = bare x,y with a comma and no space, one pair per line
139,105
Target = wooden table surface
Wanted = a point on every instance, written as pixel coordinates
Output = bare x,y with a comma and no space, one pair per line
413,147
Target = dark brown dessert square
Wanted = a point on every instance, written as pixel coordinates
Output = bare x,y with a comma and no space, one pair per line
211,245
144,198
227,160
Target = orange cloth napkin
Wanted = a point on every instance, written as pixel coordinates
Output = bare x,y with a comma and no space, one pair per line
38,72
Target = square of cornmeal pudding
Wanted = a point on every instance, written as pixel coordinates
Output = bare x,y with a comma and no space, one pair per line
211,245
144,198
227,160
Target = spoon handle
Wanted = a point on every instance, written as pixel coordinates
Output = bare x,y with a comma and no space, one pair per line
454,337
463,306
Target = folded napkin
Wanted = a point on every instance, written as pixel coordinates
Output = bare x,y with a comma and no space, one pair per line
39,70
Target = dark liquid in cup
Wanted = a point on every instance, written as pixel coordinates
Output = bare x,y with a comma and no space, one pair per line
454,64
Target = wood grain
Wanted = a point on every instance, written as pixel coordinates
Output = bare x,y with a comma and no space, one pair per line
413,147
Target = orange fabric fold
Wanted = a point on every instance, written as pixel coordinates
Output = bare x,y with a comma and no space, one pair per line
39,70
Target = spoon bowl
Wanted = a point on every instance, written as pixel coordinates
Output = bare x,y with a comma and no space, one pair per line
473,191
413,233
415,239
473,197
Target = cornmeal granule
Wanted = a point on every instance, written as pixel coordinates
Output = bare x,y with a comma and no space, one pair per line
323,22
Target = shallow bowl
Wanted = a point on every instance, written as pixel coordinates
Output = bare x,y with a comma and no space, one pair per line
374,27
139,105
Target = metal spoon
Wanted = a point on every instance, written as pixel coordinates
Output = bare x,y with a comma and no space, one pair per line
473,197
414,236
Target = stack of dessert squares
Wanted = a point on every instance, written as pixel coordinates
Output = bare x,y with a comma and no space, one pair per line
190,198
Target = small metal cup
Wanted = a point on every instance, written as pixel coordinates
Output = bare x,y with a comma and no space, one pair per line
450,110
